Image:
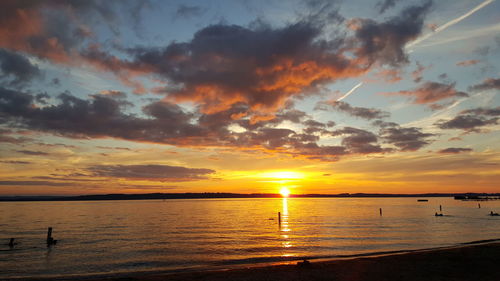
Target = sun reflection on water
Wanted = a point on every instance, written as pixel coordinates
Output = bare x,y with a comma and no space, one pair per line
286,242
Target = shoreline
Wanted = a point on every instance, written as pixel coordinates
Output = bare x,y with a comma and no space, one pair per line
475,260
222,195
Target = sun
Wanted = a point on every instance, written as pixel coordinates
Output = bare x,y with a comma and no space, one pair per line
285,192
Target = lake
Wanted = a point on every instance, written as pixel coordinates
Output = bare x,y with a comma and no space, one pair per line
109,237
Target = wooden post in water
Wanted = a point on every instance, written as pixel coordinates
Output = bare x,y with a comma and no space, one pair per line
279,218
380,211
50,240
440,208
11,243
479,205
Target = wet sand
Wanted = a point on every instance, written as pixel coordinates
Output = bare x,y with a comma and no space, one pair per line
478,261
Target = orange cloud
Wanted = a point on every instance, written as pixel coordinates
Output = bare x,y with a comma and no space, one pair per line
467,62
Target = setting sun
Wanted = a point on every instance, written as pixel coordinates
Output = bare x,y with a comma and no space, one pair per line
285,192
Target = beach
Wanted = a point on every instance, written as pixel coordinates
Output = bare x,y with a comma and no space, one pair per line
475,261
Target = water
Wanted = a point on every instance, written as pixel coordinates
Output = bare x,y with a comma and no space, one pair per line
108,237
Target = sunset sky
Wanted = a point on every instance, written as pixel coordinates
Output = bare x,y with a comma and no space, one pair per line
249,96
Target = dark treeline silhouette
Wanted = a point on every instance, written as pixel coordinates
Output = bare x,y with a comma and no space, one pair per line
150,196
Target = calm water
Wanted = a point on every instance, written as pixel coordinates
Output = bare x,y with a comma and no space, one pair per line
97,237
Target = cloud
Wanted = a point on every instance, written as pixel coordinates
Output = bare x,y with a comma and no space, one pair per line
361,112
467,122
359,141
483,111
488,84
430,93
15,162
389,75
406,139
385,4
101,116
117,148
150,172
35,183
114,94
467,62
59,30
262,68
265,67
15,69
385,42
454,150
9,139
472,120
187,11
65,178
31,152
417,73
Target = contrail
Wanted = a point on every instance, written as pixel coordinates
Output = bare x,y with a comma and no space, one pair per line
450,23
350,91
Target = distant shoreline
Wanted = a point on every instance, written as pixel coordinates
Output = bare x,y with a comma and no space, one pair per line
476,260
217,195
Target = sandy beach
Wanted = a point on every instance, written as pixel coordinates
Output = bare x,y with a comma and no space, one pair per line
476,261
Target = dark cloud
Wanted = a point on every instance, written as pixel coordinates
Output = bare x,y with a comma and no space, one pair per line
55,145
406,139
98,117
467,122
162,122
359,141
472,120
384,124
15,69
483,111
65,178
150,172
187,11
35,183
31,152
56,82
488,84
117,148
15,162
385,42
264,67
431,93
454,150
312,127
383,5
361,112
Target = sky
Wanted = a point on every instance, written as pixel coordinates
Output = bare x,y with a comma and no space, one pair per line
313,96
